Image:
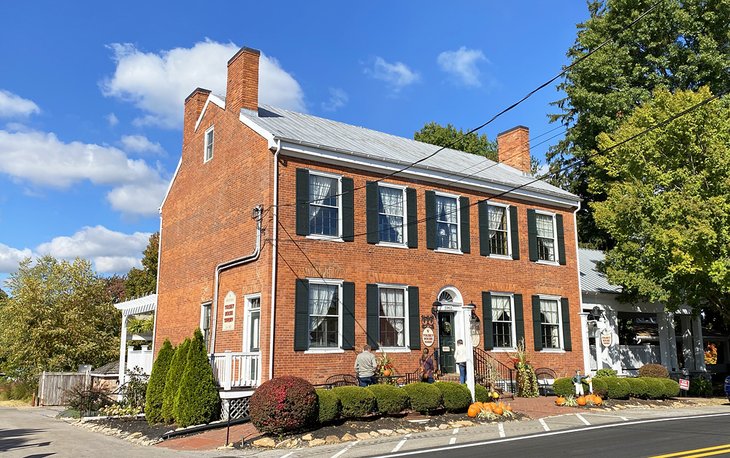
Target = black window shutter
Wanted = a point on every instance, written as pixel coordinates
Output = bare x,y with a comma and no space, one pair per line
412,204
561,239
537,322
519,318
348,210
302,202
532,234
431,220
371,212
301,315
414,318
373,316
483,209
465,232
487,320
565,313
348,315
514,233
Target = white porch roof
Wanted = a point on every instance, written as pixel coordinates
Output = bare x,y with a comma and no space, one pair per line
138,305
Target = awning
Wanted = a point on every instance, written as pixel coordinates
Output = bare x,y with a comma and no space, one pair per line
138,305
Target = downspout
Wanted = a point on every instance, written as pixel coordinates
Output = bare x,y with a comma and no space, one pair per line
257,214
274,256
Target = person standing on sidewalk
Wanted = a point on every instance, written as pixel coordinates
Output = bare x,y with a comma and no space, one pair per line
426,367
365,366
460,357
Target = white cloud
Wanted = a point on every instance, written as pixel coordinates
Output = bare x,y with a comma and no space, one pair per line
12,105
43,160
112,119
11,257
462,65
397,74
157,83
143,198
338,99
140,144
110,251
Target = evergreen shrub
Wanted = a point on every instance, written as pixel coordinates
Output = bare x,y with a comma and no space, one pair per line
356,401
700,386
564,387
606,373
481,393
637,387
653,370
671,387
156,385
283,404
618,388
424,397
172,381
456,397
389,399
600,387
198,401
654,387
328,405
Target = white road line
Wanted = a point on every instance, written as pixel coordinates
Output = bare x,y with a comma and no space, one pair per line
607,416
544,425
452,441
582,418
349,446
288,454
456,431
401,443
501,430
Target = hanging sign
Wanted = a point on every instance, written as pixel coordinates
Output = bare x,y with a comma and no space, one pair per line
684,384
476,336
229,311
606,338
428,338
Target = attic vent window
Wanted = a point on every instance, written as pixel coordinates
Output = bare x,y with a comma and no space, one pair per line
208,150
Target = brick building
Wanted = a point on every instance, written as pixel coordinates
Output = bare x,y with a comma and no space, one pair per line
293,240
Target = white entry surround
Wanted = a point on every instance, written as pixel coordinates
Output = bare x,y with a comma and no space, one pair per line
601,341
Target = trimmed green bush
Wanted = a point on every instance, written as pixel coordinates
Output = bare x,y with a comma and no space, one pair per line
618,388
356,401
606,373
389,399
671,387
156,385
600,387
481,393
564,387
455,395
654,387
637,387
328,405
653,370
424,397
172,381
198,401
283,404
700,386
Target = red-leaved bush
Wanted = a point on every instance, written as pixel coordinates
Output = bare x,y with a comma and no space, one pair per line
283,404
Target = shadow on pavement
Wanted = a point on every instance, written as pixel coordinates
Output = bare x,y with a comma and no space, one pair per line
14,439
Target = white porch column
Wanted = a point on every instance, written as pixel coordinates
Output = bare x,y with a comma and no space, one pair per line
687,343
123,350
584,342
464,316
699,346
672,347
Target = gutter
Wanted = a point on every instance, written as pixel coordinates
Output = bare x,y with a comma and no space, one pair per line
274,256
258,215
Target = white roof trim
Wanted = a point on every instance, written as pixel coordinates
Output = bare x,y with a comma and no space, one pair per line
138,305
211,98
259,130
169,187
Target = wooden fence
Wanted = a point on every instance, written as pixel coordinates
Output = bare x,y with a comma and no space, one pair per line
53,386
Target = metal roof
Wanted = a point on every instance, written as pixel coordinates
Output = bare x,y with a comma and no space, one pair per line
591,280
326,134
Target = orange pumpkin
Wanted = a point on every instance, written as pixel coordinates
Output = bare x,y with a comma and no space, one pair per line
508,408
473,411
498,409
560,401
478,405
581,401
597,400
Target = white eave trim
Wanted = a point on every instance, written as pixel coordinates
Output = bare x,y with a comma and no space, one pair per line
169,186
211,98
258,129
138,305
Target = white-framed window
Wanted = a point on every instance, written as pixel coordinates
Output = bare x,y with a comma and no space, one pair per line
205,322
252,325
325,205
208,148
503,320
325,314
547,238
499,229
551,323
447,222
393,316
392,214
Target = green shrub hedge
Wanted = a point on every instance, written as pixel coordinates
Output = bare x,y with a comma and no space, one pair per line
283,404
172,381
456,397
156,386
600,387
564,387
700,386
654,387
606,373
671,387
389,399
425,397
637,387
356,401
329,406
653,370
198,401
617,388
481,393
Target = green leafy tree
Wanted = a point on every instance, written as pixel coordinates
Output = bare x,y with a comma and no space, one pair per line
144,281
668,203
172,381
451,137
198,400
682,44
58,315
156,385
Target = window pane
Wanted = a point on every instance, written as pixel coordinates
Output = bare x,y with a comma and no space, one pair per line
498,230
502,321
323,190
550,323
391,229
324,220
446,209
544,225
497,219
323,315
390,201
392,317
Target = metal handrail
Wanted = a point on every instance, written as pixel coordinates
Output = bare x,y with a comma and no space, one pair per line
484,364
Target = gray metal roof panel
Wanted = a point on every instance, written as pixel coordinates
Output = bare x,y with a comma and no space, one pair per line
329,134
591,280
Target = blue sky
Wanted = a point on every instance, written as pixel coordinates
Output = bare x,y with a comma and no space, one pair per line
91,94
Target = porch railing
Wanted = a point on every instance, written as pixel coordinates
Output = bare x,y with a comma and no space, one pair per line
236,369
489,371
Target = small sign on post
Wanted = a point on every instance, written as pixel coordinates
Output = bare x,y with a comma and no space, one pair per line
684,384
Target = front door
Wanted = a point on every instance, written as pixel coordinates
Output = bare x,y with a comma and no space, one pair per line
251,339
447,363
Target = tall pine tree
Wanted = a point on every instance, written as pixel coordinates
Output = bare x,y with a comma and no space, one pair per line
156,386
198,401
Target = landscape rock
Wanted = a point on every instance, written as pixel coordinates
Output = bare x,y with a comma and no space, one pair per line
307,437
348,437
401,431
374,434
432,428
265,442
316,442
332,439
443,426
362,436
386,432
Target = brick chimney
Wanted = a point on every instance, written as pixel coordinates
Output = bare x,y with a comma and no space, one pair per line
242,90
513,148
194,104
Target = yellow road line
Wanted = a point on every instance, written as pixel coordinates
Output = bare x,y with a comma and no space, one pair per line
698,452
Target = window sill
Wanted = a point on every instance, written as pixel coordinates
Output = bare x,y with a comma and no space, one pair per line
323,351
393,350
552,350
503,350
501,256
327,238
448,251
392,245
547,263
